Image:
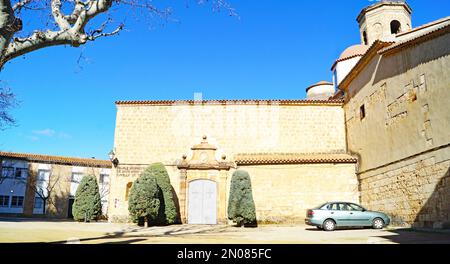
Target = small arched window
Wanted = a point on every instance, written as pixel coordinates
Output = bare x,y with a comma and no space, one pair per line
395,27
127,191
366,42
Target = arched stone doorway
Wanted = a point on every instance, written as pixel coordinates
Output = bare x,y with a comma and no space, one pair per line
203,186
202,206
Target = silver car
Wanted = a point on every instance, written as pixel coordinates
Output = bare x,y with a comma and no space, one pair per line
331,215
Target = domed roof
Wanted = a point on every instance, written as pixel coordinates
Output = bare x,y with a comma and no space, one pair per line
318,84
353,51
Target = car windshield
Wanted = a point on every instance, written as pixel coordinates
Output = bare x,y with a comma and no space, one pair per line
355,207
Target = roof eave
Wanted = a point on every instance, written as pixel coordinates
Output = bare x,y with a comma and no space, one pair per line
370,54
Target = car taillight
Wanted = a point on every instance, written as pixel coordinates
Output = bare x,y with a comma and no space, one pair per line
310,212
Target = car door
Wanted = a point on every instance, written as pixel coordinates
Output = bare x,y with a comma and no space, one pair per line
337,215
346,215
358,215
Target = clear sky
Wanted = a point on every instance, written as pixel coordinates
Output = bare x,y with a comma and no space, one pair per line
273,51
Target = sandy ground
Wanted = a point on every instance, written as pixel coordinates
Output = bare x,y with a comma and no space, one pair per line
31,230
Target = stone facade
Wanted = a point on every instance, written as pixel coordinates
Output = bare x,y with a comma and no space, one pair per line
397,118
283,193
149,132
161,132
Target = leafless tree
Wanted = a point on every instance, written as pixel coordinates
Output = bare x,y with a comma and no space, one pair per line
7,101
67,22
71,22
46,188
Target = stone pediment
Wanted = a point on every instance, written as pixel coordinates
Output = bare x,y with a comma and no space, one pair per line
204,158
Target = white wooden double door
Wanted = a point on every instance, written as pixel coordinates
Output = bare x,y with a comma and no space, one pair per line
202,203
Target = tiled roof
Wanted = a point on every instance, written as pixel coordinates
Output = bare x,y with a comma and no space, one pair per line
232,102
371,53
431,33
292,158
427,25
57,159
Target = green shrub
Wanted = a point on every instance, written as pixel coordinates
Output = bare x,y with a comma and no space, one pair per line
87,205
167,214
143,200
241,207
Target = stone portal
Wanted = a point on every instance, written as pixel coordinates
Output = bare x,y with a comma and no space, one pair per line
203,186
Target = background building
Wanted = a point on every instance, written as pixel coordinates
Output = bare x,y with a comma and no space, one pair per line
41,185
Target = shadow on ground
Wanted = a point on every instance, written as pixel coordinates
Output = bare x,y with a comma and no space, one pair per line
414,236
139,234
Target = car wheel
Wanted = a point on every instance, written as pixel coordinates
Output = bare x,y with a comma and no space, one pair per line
378,223
329,225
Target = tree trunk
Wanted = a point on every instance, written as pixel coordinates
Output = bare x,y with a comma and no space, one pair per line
9,24
146,222
44,206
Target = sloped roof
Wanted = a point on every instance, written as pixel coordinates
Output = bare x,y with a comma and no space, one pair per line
57,159
292,158
433,30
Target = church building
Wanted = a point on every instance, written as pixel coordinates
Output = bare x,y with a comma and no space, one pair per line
377,135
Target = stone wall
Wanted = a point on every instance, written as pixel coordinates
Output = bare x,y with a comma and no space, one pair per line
163,133
146,134
403,139
283,193
414,192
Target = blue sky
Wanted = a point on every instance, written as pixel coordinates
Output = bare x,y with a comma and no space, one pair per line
273,51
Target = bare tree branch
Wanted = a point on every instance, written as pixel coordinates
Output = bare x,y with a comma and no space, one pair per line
71,27
21,4
58,15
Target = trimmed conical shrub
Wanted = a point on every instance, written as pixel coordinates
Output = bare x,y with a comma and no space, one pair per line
241,207
143,201
87,205
167,214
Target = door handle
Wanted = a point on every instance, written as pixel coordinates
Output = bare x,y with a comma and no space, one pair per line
332,212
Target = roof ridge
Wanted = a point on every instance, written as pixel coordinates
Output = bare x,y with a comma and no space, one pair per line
56,159
231,101
429,24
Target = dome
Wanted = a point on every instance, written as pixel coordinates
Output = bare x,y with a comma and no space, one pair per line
319,84
322,90
353,51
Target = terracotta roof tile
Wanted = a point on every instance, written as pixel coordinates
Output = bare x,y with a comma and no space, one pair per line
57,159
419,38
430,24
293,158
233,102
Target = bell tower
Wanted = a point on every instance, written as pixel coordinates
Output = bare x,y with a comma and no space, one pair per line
383,20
